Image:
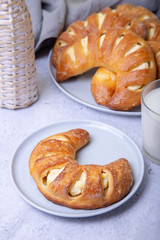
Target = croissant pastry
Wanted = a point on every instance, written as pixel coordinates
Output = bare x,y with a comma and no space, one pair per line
94,23
104,83
138,19
120,51
155,45
63,181
139,12
148,18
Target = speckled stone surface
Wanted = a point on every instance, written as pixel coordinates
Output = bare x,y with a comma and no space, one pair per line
137,219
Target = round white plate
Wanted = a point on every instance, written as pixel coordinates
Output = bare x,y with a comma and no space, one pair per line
78,88
106,144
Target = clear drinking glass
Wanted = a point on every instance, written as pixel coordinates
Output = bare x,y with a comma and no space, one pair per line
150,106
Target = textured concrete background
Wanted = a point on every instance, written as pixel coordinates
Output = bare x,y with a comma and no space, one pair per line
137,219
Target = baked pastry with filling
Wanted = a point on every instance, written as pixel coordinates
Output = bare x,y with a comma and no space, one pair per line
62,180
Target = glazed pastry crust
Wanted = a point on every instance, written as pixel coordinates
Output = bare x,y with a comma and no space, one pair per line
62,180
145,16
106,91
107,18
139,12
113,50
155,45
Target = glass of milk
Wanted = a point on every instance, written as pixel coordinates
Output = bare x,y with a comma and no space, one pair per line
150,106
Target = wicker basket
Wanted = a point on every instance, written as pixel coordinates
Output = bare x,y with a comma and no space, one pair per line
18,87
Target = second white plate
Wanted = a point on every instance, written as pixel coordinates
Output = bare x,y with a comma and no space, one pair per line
78,88
107,144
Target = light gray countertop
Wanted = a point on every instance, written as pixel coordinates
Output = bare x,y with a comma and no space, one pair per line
137,219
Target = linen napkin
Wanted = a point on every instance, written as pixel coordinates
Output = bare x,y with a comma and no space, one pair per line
51,17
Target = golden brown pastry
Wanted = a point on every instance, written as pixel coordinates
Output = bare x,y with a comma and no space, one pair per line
106,92
139,12
152,24
153,29
148,18
63,181
103,82
94,23
155,45
120,51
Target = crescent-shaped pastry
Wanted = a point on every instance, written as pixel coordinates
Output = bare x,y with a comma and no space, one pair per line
96,22
62,180
148,18
120,51
105,82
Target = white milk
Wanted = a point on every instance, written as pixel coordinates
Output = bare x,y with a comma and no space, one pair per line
151,124
152,100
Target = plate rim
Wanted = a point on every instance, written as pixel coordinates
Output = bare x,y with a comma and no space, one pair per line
98,107
94,212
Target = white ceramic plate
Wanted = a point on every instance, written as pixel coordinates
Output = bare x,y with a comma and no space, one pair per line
106,145
78,88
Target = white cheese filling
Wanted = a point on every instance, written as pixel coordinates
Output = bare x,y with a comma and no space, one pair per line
104,180
53,174
78,185
71,53
118,40
84,42
141,66
133,49
101,17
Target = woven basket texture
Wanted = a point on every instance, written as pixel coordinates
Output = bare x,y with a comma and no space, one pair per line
18,84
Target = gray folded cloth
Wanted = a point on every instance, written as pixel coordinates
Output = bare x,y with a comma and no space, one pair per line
51,17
